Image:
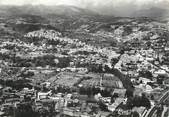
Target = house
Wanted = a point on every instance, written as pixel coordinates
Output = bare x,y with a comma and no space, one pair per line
42,95
110,81
166,82
7,89
142,88
71,112
12,100
144,80
46,84
160,72
6,106
85,115
104,114
140,110
120,92
2,114
1,87
113,106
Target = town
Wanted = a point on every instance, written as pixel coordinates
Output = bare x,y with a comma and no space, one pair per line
113,69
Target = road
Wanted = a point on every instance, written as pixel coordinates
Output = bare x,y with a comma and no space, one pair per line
164,111
151,112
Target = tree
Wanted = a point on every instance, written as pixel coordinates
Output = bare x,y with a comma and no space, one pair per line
112,99
129,103
145,101
129,94
114,61
138,101
160,80
135,114
146,74
102,106
107,69
115,95
89,91
127,31
27,74
63,62
25,110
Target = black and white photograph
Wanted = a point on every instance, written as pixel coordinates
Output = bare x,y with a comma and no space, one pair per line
84,58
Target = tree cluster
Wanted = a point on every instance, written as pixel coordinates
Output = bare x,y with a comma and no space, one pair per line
138,101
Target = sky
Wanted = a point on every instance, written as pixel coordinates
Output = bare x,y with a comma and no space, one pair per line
80,3
103,6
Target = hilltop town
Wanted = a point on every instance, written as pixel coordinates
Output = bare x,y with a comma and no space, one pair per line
83,66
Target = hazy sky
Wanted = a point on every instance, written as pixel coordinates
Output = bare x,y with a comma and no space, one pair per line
80,2
103,6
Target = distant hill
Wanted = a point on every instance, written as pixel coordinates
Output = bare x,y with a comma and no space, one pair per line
153,12
71,11
44,10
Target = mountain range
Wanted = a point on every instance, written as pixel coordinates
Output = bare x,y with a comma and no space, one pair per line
42,10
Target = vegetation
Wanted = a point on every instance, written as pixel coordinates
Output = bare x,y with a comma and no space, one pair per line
138,101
